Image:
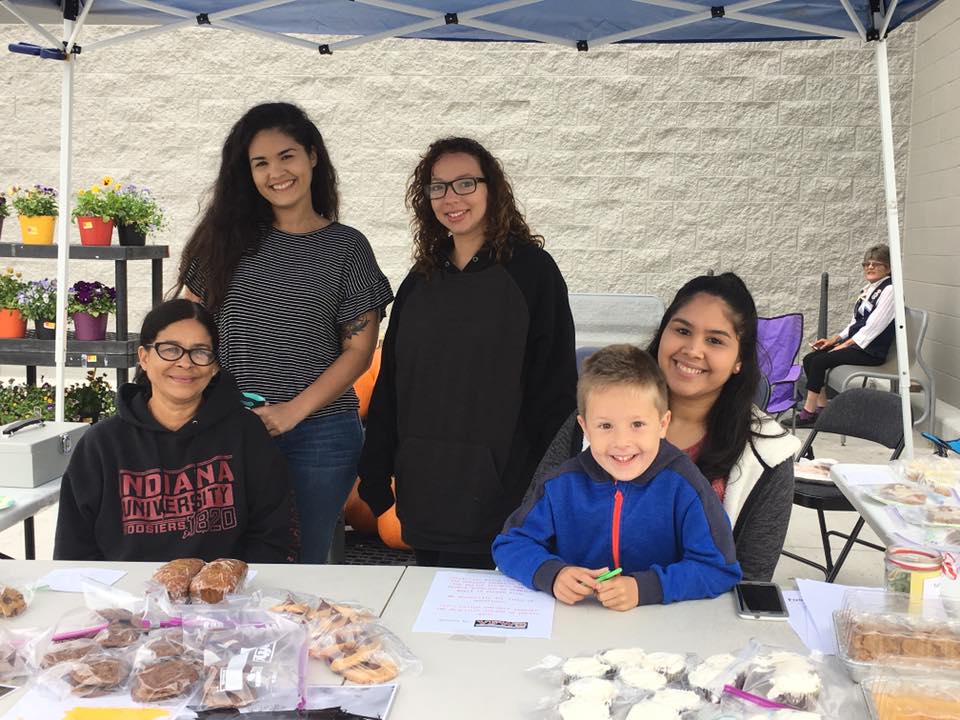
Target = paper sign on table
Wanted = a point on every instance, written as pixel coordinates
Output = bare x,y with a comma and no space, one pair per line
854,474
821,599
71,579
800,619
488,604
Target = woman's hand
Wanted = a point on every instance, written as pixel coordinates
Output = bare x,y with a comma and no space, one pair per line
824,343
280,418
574,583
844,344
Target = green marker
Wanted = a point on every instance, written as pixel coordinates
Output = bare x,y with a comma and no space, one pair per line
608,575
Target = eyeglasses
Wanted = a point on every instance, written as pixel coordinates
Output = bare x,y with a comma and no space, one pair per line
170,351
873,264
460,186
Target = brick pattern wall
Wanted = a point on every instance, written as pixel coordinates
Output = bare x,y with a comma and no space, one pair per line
642,165
931,248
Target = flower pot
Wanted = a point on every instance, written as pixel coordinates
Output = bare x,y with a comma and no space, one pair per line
94,231
131,235
12,324
44,329
37,229
89,327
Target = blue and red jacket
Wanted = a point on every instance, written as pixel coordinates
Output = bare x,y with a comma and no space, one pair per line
666,528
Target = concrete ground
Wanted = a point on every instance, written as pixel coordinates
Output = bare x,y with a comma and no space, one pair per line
863,567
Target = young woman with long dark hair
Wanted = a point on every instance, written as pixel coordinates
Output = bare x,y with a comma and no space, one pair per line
297,297
706,346
478,368
183,469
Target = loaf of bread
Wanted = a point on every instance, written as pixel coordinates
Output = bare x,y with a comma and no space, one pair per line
217,579
176,576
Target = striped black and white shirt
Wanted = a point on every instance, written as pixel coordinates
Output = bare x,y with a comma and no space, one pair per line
280,319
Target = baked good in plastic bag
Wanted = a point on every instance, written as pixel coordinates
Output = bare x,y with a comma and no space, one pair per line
252,659
217,579
940,474
176,575
364,653
13,652
912,696
14,599
99,673
164,669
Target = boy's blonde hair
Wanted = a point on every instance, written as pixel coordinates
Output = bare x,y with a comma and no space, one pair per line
621,365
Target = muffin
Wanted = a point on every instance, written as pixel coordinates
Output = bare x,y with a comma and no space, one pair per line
593,688
624,657
580,708
581,667
797,688
652,710
702,677
642,679
672,666
680,700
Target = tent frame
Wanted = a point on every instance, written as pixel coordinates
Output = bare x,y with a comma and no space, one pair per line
74,18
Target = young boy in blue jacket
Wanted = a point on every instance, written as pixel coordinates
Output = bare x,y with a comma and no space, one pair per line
631,501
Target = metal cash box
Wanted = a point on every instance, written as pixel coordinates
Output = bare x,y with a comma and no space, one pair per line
34,452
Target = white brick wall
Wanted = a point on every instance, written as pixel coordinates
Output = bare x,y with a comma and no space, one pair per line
931,247
641,165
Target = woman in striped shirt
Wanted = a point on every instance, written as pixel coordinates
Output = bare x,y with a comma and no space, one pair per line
298,300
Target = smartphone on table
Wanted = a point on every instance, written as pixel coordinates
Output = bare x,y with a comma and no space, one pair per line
760,601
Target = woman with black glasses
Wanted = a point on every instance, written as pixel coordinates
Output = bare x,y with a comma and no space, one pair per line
184,470
478,366
864,341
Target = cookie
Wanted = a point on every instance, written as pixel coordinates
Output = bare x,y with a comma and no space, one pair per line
66,651
164,680
117,635
97,674
12,602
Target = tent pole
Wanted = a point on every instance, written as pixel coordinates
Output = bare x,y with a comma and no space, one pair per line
893,234
63,226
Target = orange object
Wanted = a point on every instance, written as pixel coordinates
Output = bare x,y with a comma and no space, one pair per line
94,231
37,229
358,514
12,324
388,525
365,383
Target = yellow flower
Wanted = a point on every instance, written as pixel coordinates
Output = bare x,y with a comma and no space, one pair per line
107,180
117,187
95,189
9,270
19,275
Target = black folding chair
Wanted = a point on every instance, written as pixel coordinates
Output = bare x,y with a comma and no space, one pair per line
862,413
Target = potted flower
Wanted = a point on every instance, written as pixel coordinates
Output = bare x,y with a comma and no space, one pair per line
95,209
4,210
38,302
89,401
12,322
89,304
37,209
137,215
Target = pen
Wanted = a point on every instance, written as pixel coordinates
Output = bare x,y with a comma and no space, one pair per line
608,575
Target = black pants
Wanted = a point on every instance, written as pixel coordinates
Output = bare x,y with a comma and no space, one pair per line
438,558
816,364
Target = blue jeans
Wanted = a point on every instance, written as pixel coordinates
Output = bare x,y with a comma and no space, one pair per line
322,455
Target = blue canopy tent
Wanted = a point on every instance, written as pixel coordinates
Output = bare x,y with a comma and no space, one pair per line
576,24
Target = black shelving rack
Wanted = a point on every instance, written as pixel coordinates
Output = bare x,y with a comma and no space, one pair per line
119,350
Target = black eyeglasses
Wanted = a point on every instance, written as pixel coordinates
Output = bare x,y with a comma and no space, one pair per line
170,351
872,264
460,186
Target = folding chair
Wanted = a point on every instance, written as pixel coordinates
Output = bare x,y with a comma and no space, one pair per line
862,413
778,342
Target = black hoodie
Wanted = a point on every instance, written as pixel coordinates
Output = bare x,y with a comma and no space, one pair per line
217,487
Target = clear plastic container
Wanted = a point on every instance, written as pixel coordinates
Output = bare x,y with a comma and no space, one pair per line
876,627
912,696
911,570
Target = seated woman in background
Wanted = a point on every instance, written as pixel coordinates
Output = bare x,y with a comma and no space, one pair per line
864,341
183,470
706,347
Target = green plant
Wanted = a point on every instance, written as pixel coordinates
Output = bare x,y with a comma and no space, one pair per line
100,200
93,298
93,399
30,202
4,208
10,289
38,299
137,206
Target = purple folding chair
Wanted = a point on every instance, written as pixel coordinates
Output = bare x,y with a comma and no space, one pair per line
778,342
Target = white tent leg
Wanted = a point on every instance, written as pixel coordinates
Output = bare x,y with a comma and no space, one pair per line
893,234
63,224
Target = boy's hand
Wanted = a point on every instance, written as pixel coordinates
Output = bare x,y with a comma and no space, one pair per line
574,583
619,593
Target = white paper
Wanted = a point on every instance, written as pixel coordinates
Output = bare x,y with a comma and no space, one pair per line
800,619
71,579
487,604
853,474
820,600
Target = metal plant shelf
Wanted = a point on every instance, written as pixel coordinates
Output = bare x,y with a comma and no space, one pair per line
109,353
87,252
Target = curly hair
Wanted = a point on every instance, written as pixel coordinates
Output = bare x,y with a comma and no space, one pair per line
238,215
505,226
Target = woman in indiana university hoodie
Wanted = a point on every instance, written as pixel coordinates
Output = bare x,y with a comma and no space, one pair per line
217,487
